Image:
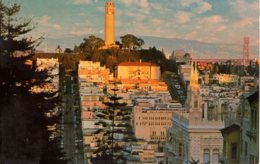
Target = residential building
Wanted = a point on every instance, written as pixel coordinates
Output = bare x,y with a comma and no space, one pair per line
192,135
226,78
93,72
138,70
184,71
241,134
151,124
181,56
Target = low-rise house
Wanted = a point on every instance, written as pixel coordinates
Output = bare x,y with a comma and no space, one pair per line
241,134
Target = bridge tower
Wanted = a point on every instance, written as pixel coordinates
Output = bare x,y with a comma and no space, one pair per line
246,52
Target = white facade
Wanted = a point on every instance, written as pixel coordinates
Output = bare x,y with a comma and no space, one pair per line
194,135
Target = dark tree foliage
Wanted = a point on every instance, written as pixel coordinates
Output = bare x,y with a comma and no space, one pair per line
115,111
130,50
156,56
131,42
24,136
90,44
68,50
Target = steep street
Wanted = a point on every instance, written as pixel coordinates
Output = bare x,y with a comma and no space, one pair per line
72,129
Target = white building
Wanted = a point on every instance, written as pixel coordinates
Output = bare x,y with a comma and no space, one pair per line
193,135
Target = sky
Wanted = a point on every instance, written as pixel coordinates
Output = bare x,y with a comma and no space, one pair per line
214,21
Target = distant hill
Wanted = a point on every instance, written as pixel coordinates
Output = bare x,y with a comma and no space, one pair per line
199,49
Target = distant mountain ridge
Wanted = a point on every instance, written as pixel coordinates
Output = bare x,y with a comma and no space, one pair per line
197,48
200,49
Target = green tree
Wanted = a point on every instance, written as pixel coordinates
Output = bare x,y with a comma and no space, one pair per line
68,50
131,42
90,44
24,133
114,111
10,30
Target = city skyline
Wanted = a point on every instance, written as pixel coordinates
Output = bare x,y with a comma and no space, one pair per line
202,20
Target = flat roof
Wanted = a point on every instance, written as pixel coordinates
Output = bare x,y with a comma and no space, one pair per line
137,64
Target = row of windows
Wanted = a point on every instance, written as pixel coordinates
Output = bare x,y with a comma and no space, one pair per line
153,123
158,138
215,157
154,133
155,118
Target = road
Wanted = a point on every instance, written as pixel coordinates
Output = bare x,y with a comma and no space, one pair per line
72,139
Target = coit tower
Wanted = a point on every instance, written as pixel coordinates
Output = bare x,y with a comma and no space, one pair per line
109,23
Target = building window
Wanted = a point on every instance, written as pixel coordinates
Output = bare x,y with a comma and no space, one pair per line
234,150
206,156
196,104
180,150
252,159
245,148
215,156
254,118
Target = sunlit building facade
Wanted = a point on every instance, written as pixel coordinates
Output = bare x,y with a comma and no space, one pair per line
138,71
192,135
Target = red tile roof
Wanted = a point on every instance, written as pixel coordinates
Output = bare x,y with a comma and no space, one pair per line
137,64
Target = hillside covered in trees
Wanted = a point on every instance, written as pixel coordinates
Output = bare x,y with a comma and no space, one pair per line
130,50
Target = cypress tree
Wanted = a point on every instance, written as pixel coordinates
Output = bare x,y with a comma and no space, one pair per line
24,136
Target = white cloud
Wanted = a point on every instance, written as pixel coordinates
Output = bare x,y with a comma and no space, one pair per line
136,16
183,17
221,28
203,7
83,32
45,22
156,21
187,3
213,19
80,2
140,3
56,26
159,7
143,3
244,8
246,22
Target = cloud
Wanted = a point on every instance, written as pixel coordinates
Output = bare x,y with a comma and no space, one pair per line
244,8
221,28
143,3
140,3
187,3
80,2
203,7
45,21
156,21
213,19
246,22
83,32
183,17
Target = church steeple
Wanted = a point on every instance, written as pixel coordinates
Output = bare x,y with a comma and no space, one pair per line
193,99
194,77
191,74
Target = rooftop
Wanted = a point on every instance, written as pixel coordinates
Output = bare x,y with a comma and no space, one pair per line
137,64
